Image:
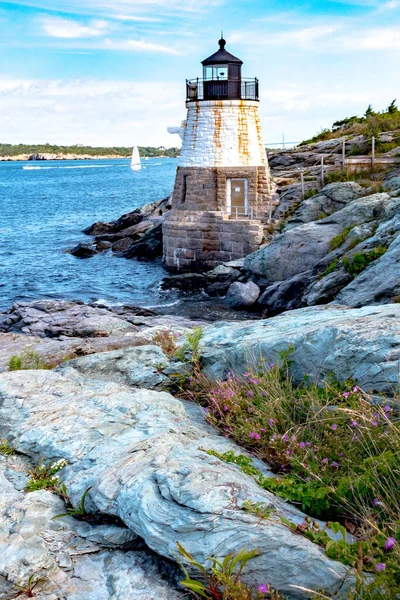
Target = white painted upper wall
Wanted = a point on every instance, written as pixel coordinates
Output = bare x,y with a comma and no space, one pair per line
222,133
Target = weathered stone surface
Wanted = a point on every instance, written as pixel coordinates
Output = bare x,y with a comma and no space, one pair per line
140,452
380,282
240,295
285,295
363,344
330,199
74,559
326,289
82,250
303,247
122,245
142,367
61,321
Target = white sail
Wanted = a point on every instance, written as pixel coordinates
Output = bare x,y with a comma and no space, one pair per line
135,162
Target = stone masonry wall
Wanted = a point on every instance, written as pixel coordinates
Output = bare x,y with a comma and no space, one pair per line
202,240
223,133
199,189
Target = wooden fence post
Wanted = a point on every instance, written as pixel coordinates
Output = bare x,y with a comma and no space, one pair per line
373,152
344,154
302,184
322,172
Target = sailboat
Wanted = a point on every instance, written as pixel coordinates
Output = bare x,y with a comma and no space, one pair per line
135,162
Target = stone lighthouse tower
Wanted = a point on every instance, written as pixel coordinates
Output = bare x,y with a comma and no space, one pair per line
222,189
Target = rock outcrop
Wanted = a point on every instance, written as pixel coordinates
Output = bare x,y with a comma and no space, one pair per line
363,344
67,558
137,234
142,453
311,263
60,330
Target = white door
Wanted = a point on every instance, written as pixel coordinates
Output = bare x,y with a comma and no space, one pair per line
237,196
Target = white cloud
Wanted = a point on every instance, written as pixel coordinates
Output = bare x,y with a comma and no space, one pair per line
89,111
140,45
380,38
69,29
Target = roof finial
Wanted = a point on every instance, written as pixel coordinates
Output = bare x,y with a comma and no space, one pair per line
222,42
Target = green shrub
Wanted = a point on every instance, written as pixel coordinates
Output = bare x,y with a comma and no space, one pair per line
330,268
338,240
5,448
360,261
220,580
27,359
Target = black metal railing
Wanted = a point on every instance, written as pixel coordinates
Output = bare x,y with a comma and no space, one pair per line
222,89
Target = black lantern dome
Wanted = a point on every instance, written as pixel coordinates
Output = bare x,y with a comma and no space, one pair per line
222,79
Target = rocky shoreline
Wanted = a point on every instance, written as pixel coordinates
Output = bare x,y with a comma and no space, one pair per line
140,451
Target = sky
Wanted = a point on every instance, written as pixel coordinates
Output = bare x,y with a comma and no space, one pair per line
112,72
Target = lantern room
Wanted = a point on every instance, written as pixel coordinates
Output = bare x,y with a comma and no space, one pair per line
222,79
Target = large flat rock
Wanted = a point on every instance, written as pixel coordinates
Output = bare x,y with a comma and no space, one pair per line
142,453
363,344
73,559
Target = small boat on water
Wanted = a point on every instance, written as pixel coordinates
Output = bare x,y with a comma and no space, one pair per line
135,162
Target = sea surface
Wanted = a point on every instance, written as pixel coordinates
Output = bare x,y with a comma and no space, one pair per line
43,210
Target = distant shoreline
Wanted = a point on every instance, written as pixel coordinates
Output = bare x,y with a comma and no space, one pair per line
41,158
37,152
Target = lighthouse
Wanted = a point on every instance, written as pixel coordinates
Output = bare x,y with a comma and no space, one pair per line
222,191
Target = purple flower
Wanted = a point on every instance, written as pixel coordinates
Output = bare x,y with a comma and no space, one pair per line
308,478
247,374
271,422
302,445
380,567
387,408
377,502
264,589
308,444
285,437
252,434
250,394
263,429
325,461
225,407
389,544
353,423
334,427
375,423
271,365
356,388
346,394
257,436
334,464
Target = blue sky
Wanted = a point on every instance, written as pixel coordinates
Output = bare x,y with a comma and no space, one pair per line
113,71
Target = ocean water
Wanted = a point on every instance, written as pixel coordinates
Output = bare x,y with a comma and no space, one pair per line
43,210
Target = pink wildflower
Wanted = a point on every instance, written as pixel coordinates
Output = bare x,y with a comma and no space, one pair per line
390,543
325,461
263,589
271,422
334,427
356,388
302,445
380,567
346,394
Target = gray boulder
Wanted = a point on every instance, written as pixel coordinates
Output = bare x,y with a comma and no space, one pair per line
241,295
142,453
72,559
302,248
285,295
330,199
141,366
363,344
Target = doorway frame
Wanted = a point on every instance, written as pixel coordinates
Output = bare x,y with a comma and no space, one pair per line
229,194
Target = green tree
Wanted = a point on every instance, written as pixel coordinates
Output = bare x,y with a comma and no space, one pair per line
392,108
